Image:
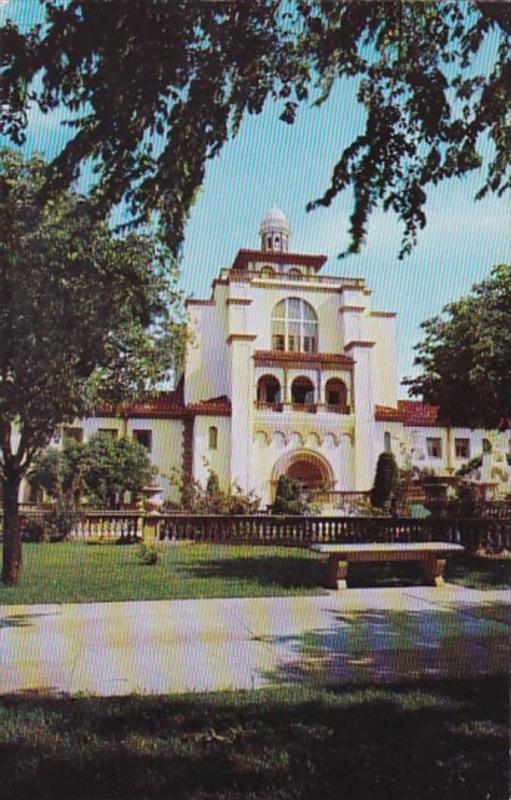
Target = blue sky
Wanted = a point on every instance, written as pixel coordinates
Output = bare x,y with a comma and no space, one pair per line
271,163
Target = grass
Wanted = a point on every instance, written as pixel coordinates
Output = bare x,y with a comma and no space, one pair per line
479,573
72,572
446,740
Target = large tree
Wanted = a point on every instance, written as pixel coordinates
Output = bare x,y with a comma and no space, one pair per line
155,88
85,317
465,356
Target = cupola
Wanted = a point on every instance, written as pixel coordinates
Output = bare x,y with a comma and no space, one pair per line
275,231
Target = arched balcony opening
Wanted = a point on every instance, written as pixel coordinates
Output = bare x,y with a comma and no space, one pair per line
302,393
336,396
269,392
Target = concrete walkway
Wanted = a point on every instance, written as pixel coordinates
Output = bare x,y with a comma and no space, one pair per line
359,635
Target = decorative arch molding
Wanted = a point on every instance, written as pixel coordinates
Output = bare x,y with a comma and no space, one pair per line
283,464
262,436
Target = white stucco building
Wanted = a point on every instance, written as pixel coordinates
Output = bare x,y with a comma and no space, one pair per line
292,371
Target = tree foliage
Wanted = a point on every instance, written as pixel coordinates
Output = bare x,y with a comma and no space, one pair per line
465,356
385,481
59,472
100,471
85,317
154,90
112,466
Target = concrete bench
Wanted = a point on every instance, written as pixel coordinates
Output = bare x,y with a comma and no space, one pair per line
432,556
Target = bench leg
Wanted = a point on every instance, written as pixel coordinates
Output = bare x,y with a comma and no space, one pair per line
433,571
337,573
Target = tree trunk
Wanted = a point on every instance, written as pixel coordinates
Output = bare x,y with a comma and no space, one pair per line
12,531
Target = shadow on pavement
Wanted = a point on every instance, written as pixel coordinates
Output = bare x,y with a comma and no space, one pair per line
389,645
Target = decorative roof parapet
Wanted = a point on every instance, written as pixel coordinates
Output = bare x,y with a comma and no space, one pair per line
245,257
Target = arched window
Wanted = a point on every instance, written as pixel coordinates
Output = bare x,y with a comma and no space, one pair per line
294,326
336,394
302,392
387,446
294,272
268,390
213,438
267,271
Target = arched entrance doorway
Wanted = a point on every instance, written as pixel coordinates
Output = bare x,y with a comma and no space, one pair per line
312,470
310,473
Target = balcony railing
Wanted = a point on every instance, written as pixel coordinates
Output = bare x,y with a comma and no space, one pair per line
310,408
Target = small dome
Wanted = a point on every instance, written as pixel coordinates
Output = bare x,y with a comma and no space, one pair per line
275,230
275,219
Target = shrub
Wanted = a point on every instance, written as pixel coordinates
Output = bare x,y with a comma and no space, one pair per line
33,531
466,500
291,498
385,481
149,554
470,466
213,484
213,499
61,519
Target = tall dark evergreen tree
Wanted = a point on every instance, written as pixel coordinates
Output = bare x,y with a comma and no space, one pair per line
385,481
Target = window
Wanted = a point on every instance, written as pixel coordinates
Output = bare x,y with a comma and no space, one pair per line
336,393
294,326
387,444
268,390
213,438
108,432
487,446
144,437
295,273
434,446
302,392
73,434
462,448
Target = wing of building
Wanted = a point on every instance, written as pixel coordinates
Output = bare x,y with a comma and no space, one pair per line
293,372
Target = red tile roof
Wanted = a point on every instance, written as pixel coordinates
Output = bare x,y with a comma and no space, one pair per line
215,407
410,413
168,405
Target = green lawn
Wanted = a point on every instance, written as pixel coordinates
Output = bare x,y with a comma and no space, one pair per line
71,572
444,740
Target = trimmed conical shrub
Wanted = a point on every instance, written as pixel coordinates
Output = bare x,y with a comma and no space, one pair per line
385,480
